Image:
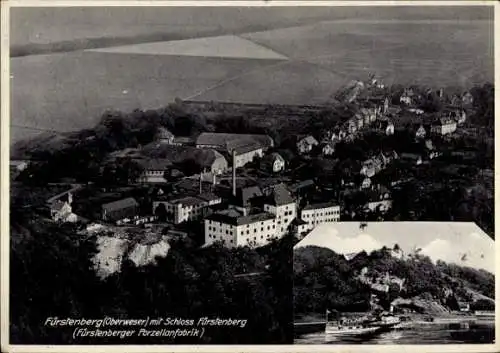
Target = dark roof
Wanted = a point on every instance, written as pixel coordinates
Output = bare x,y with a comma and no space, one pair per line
205,158
309,139
302,184
234,217
120,204
188,201
208,196
298,222
246,194
154,164
272,157
221,139
281,195
319,205
183,140
56,205
243,146
202,157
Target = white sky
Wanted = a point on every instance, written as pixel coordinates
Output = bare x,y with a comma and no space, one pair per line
447,241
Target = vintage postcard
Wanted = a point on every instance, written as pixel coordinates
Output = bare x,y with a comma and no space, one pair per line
248,176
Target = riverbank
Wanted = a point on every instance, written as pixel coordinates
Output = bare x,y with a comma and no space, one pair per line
315,323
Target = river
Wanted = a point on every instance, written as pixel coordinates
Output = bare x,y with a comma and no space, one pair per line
483,333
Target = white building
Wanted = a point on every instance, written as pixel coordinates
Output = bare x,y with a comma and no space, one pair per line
246,154
306,144
235,227
187,208
165,136
154,170
61,210
283,206
444,126
316,214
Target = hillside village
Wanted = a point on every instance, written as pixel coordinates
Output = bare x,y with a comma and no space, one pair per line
387,279
351,161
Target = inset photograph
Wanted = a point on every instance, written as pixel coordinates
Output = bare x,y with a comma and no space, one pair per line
395,283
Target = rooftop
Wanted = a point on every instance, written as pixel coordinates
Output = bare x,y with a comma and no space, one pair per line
281,195
56,205
154,164
221,139
188,201
233,217
243,146
246,194
309,139
302,184
120,204
318,206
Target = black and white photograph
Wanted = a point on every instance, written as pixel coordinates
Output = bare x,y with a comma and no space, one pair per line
249,175
395,283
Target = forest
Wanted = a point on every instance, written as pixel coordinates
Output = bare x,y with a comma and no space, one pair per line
324,279
51,274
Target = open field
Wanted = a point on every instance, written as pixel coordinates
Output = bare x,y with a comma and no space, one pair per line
68,91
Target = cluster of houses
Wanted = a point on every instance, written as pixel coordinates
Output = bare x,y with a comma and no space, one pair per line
371,112
254,214
245,215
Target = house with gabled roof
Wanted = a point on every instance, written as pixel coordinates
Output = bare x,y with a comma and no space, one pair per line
328,148
444,126
120,211
165,136
273,162
236,226
306,144
153,169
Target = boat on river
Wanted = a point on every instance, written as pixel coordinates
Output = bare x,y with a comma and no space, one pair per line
351,327
386,321
343,328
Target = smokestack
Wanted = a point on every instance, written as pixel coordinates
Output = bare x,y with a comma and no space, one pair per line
200,184
234,173
214,181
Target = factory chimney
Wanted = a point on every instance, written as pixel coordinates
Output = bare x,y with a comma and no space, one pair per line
234,173
201,188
